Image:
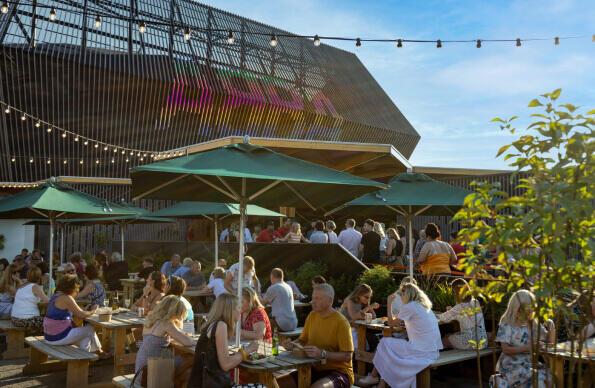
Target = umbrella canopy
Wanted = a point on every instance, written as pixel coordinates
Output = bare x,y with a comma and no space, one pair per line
409,194
213,211
245,173
53,201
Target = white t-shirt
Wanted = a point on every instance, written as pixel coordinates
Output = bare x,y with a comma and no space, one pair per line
332,237
422,327
25,303
217,286
248,277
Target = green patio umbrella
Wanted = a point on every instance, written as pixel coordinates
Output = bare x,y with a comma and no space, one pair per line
140,216
213,211
410,195
245,173
54,202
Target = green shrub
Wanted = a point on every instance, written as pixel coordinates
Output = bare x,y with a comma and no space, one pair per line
304,274
343,286
441,296
381,281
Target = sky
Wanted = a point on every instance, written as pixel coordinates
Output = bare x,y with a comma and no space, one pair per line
451,94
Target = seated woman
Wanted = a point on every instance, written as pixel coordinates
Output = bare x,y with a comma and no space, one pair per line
357,305
217,282
468,313
76,259
25,310
436,256
163,323
152,293
394,303
9,283
398,361
176,286
58,325
93,289
294,236
212,349
255,321
514,366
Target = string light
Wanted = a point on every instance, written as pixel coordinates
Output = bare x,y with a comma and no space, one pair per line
399,43
115,150
105,148
31,160
64,135
274,41
49,161
65,161
96,145
113,161
187,34
7,110
438,43
123,152
23,117
53,14
358,42
142,27
76,138
49,130
97,161
316,40
478,44
86,142
81,162
518,42
127,160
37,124
97,22
13,159
230,37
556,41
4,8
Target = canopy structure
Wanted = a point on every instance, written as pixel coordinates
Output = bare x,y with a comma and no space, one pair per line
55,202
140,216
246,173
410,195
212,211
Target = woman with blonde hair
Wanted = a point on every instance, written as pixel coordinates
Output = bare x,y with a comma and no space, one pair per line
467,312
397,360
212,359
394,247
295,235
356,306
255,321
379,229
9,282
516,329
163,323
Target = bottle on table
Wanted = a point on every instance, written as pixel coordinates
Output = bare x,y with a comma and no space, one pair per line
275,348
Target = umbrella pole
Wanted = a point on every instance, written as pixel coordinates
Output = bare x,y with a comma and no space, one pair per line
122,230
241,265
216,242
51,251
61,245
410,243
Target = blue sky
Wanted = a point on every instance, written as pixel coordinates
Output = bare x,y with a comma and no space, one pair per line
451,94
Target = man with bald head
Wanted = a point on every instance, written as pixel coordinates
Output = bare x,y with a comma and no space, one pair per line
327,336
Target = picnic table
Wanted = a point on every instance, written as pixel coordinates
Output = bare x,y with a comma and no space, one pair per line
119,324
131,285
361,355
557,355
265,369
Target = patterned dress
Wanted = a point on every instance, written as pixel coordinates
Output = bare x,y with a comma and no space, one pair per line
471,322
515,370
259,314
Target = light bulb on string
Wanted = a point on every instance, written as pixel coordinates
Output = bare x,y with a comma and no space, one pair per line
97,22
64,135
316,40
65,161
23,117
115,150
96,145
53,14
113,161
127,160
131,153
478,43
187,34
86,142
37,124
105,148
31,160
97,161
76,138
7,110
142,27
438,43
49,161
230,38
518,42
49,130
556,41
4,7
399,43
13,159
123,152
274,40
81,162
358,42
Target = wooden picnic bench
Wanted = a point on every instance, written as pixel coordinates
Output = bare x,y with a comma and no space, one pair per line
15,340
77,361
449,357
125,381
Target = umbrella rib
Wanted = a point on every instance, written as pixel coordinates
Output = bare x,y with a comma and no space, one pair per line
299,196
160,186
333,211
60,215
227,186
207,217
216,187
396,210
264,189
422,210
40,213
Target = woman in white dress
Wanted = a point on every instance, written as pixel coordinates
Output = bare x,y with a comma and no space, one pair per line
397,361
468,313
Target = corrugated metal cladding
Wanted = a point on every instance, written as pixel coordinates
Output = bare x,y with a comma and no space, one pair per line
155,91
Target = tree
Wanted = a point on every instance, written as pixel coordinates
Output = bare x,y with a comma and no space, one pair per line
542,237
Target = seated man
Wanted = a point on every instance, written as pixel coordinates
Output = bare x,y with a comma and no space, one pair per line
186,266
327,336
194,278
280,296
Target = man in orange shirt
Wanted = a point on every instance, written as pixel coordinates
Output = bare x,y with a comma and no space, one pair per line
327,336
267,235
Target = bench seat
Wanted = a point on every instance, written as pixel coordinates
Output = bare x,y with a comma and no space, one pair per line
77,361
15,340
125,381
449,357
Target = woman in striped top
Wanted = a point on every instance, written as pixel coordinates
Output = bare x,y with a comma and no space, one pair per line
295,235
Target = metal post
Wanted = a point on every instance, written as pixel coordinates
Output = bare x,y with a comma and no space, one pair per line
51,251
216,241
243,202
410,242
61,244
122,231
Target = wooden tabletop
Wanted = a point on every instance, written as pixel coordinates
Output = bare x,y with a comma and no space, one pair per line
285,360
119,321
377,326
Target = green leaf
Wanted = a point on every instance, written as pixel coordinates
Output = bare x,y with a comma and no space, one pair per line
534,102
555,94
502,149
497,120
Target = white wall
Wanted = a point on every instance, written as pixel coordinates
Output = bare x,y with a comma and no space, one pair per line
16,237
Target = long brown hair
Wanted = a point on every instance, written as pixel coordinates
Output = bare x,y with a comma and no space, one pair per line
360,290
222,310
6,282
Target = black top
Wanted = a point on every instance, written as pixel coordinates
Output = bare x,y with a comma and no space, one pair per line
206,371
113,273
145,272
371,243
